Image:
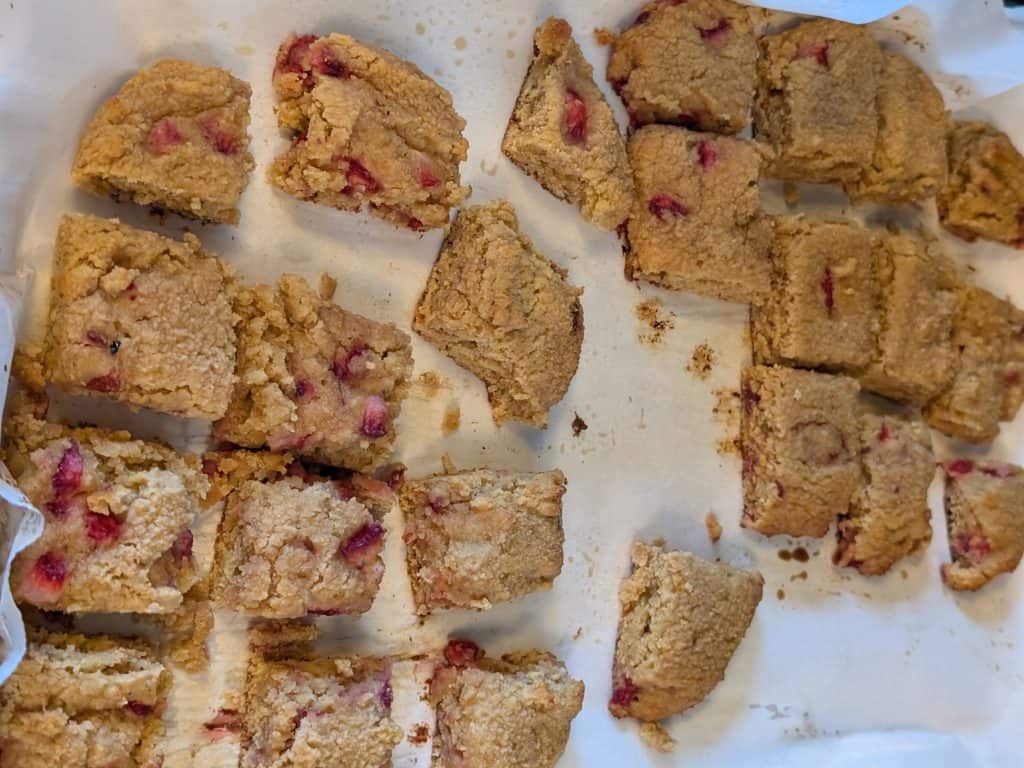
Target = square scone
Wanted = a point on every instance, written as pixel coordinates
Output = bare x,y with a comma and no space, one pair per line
175,138
117,511
563,133
482,537
141,319
816,101
293,543
697,224
824,298
800,440
687,63
369,129
314,379
491,713
889,518
914,357
984,196
909,163
84,702
985,517
682,620
504,312
305,710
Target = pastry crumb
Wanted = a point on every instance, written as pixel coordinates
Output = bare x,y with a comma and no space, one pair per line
452,419
419,734
702,361
447,465
578,425
656,737
714,527
429,383
604,36
657,320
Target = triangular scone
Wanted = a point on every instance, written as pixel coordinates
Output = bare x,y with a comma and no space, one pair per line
682,620
174,137
563,133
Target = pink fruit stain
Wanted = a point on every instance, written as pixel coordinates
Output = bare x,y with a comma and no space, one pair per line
95,339
716,33
222,139
781,489
438,500
326,62
664,207
707,152
131,291
462,653
102,528
749,397
358,177
828,289
182,546
362,547
294,60
884,433
625,693
575,117
48,574
138,708
304,388
959,467
223,724
106,383
163,137
974,546
817,51
345,366
1000,470
428,179
375,417
67,479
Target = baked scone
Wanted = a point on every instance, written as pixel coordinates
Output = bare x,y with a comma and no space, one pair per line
84,702
482,537
909,162
368,129
512,712
824,296
889,517
315,379
174,137
689,63
985,193
682,620
972,406
141,319
118,514
800,439
563,133
913,358
816,101
304,710
293,543
697,224
504,312
985,515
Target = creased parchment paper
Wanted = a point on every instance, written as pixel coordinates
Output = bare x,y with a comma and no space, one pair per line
837,669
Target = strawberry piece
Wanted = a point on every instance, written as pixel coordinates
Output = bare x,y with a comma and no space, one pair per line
625,693
415,224
575,117
222,139
974,546
163,137
182,546
138,708
349,364
386,695
68,477
362,547
95,339
223,724
817,51
716,33
884,433
707,152
326,62
47,577
295,60
959,467
375,417
358,177
664,207
462,653
750,398
107,383
304,388
828,288
102,528
428,179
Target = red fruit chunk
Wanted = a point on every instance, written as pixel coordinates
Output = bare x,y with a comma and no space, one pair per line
108,383
462,653
295,58
781,489
884,433
182,546
222,139
708,154
750,398
95,339
362,547
575,117
163,137
625,693
348,364
304,388
716,33
828,289
375,417
101,528
663,206
324,61
959,467
386,695
359,178
394,475
139,708
224,723
415,224
974,546
427,176
47,577
68,477
131,291
817,51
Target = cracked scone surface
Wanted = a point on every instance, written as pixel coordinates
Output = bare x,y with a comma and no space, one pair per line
314,379
84,702
563,133
117,514
291,544
304,710
682,620
816,101
985,518
984,196
800,441
913,358
687,63
821,310
512,712
909,162
889,517
173,137
369,129
482,537
504,312
140,318
697,224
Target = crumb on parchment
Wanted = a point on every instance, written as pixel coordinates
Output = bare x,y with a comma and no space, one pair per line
714,527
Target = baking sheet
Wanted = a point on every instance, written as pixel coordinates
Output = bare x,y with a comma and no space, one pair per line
837,669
